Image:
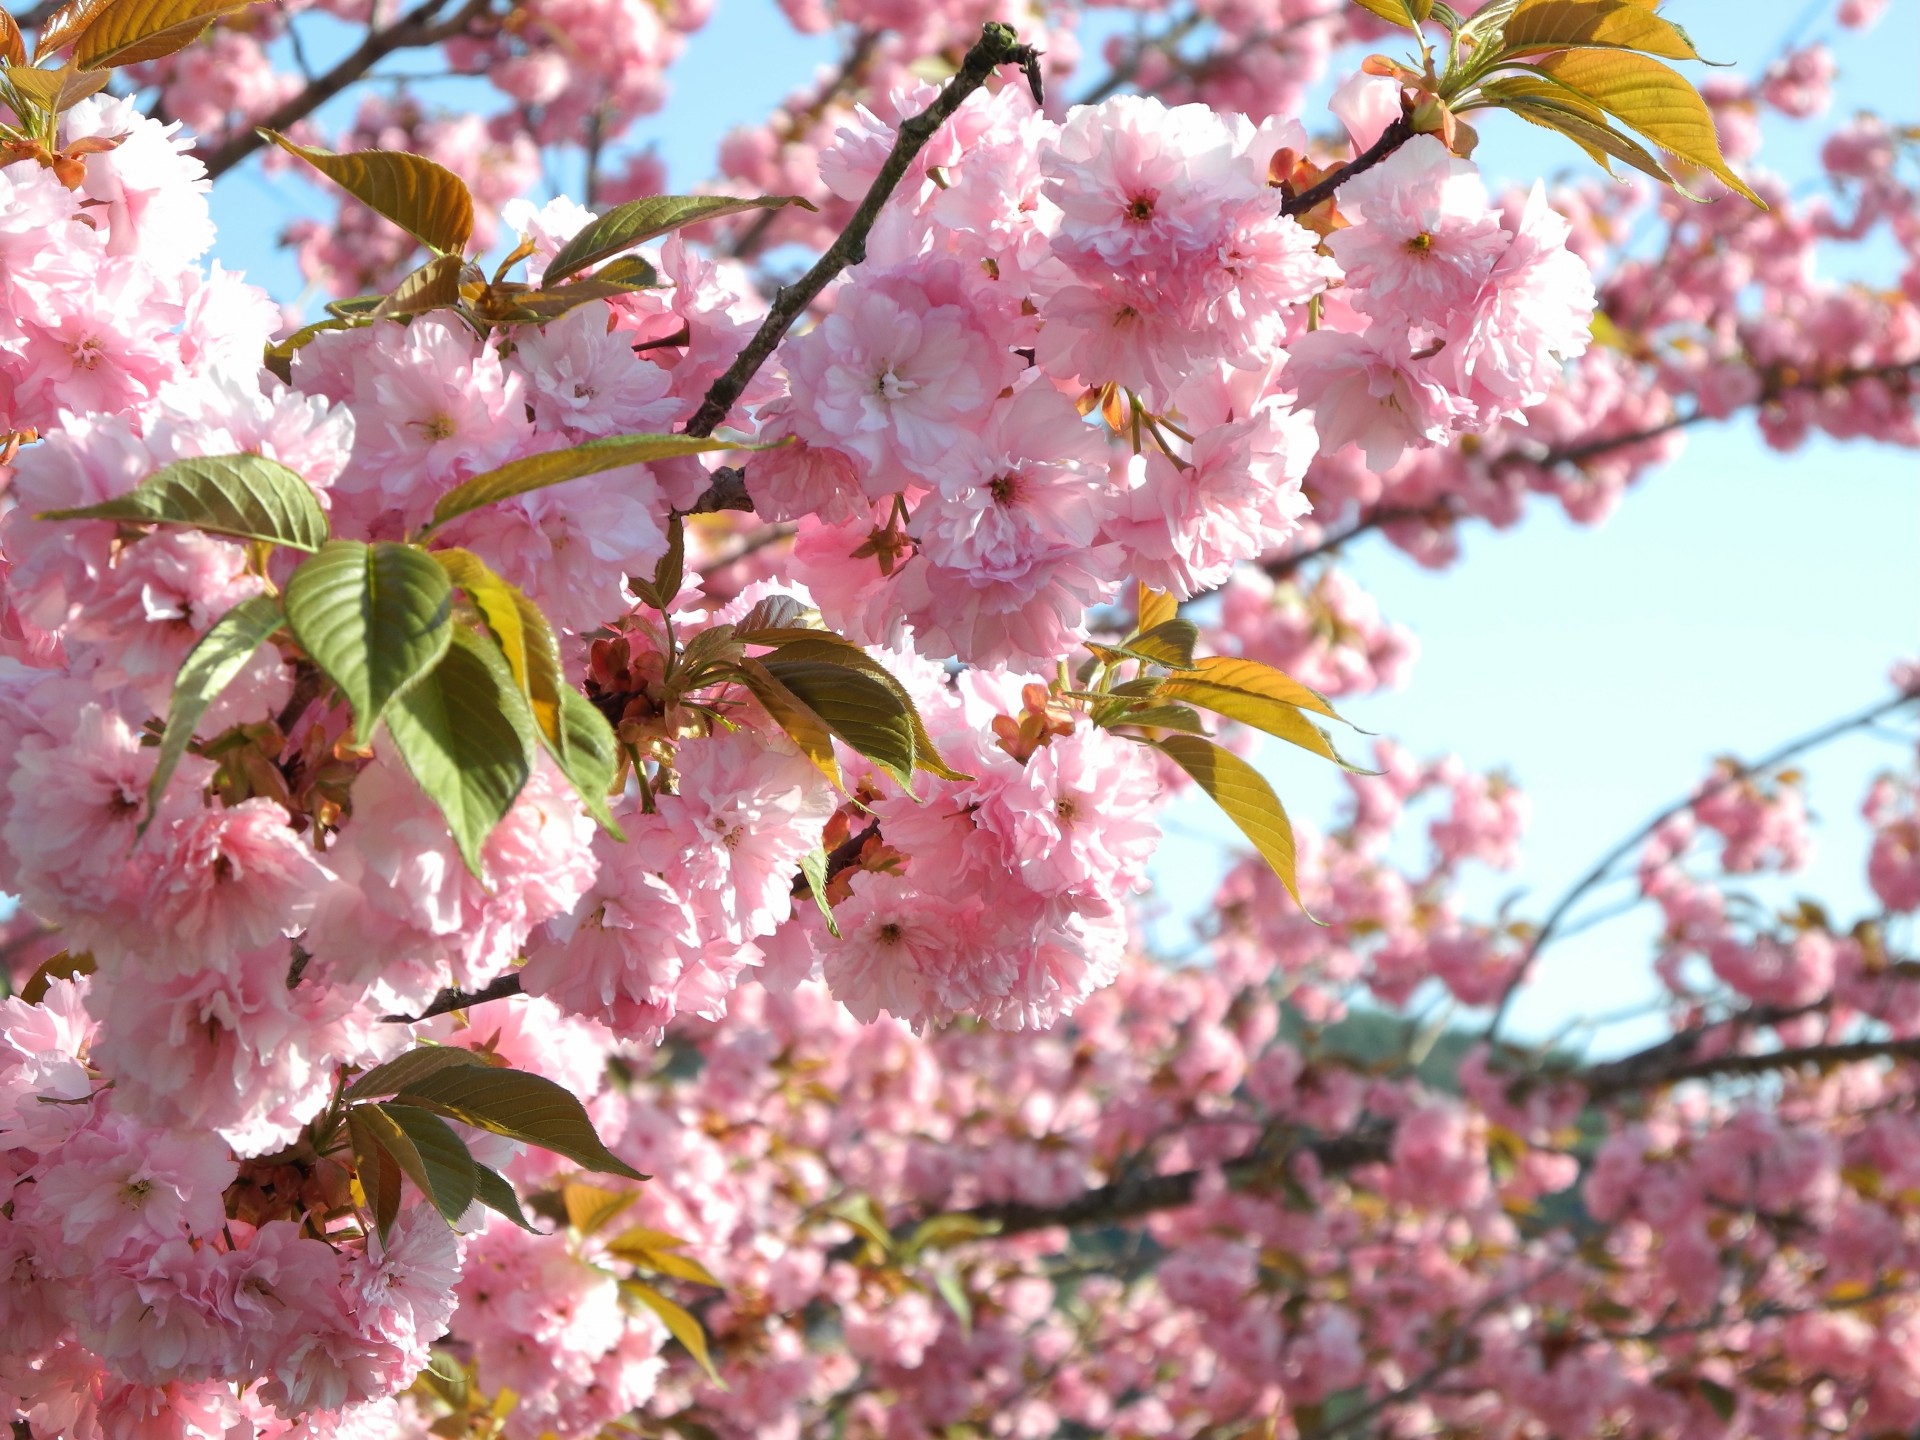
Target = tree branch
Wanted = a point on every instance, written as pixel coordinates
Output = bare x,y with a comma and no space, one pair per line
1391,139
997,46
1630,1073
414,30
1550,927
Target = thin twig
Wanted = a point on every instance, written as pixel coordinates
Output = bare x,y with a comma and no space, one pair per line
997,46
414,30
1739,774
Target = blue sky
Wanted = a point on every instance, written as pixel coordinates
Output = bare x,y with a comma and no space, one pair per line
1738,598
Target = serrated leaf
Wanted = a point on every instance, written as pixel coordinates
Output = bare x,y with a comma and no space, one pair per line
1397,12
638,221
680,1324
376,1170
423,198
800,721
1246,797
1277,718
555,467
1169,643
247,496
525,639
434,286
1257,679
426,1150
590,1206
588,754
127,32
955,1294
859,708
838,650
1164,717
523,1107
375,618
220,655
467,739
1155,608
1600,140
66,24
492,1190
813,865
13,45
1537,26
1652,98
393,1076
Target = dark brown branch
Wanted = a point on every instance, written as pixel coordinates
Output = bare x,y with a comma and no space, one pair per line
997,46
448,1001
1391,139
1617,1077
412,31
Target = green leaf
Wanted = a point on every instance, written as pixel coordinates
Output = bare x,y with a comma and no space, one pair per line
955,1294
1246,797
953,1228
221,654
813,865
394,1075
554,467
856,706
591,1206
1719,1398
800,721
1170,643
426,1149
491,1189
423,198
834,649
1257,679
1652,98
525,639
638,221
1537,26
1398,12
375,618
863,1215
1275,717
434,286
467,739
1599,139
1163,717
376,1169
247,496
523,1107
680,1324
588,754
543,307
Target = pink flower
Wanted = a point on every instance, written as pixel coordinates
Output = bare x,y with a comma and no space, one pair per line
232,880
898,375
1364,390
1424,240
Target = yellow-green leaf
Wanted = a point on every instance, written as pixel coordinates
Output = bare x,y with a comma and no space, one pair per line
246,496
521,631
813,868
1652,98
434,286
1277,718
1246,797
521,1106
680,1324
800,721
127,32
492,1190
1156,607
1398,12
641,220
671,1262
221,654
590,1206
422,197
1169,643
554,467
853,704
375,1169
838,650
641,1237
426,1149
1600,140
1537,26
1257,679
